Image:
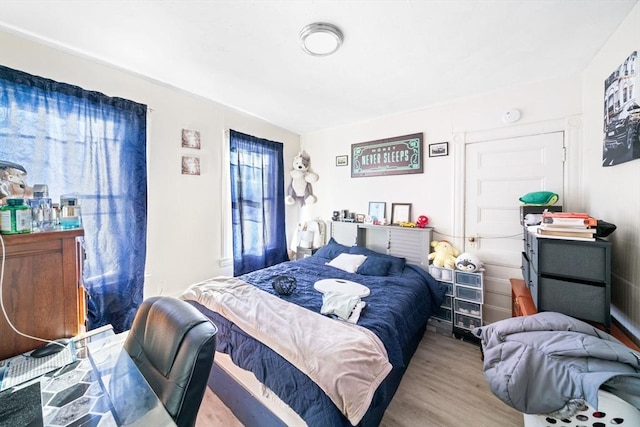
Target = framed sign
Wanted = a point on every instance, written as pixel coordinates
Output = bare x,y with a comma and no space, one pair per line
391,156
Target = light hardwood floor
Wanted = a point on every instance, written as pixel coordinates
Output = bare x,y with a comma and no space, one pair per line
443,387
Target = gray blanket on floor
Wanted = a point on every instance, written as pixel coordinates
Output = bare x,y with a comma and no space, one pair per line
550,363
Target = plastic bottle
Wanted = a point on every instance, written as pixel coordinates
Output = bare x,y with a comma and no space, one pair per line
42,213
70,216
15,217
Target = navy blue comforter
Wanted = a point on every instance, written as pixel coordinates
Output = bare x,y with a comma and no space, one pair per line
397,311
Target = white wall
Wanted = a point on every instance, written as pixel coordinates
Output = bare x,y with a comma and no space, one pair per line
184,243
612,193
432,193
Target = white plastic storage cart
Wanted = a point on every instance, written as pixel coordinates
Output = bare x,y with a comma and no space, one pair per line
442,321
468,297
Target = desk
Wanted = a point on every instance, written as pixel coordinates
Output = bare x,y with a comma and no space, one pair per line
103,387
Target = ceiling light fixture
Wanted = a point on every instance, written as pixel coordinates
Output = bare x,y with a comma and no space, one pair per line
320,39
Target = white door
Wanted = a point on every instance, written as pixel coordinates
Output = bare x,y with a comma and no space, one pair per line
498,172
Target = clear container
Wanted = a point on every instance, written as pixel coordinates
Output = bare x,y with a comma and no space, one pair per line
42,214
469,279
70,215
469,308
469,294
15,217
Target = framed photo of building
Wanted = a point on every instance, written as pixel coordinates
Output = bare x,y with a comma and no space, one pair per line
621,139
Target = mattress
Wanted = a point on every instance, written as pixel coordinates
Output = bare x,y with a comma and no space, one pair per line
258,391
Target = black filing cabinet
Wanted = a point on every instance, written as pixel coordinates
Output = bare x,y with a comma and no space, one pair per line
569,276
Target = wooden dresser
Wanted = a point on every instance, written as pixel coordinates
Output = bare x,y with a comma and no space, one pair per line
521,301
42,288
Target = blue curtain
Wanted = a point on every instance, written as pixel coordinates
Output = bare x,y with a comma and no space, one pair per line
94,147
257,203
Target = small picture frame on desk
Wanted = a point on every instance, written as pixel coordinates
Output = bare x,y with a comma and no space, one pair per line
400,212
377,210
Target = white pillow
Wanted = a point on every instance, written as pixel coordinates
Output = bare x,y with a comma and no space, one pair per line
347,262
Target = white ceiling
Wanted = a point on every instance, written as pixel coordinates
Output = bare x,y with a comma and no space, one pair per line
397,55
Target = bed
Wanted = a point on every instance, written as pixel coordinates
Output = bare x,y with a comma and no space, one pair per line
402,297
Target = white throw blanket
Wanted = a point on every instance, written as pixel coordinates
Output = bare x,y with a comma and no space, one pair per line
348,362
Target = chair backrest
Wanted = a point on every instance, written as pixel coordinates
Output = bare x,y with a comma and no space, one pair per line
173,345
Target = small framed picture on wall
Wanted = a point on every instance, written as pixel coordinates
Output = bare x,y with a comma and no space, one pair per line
190,139
190,165
439,149
342,160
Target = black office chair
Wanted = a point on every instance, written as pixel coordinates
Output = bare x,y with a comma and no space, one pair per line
173,345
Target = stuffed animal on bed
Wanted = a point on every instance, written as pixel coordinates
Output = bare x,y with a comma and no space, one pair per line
300,189
444,254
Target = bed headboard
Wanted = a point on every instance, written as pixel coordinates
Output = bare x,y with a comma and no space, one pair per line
414,244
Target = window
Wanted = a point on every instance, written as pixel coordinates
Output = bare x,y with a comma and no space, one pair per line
93,147
257,202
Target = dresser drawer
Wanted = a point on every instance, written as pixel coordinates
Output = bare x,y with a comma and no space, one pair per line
574,259
526,269
443,314
446,303
468,294
468,308
467,322
586,302
468,279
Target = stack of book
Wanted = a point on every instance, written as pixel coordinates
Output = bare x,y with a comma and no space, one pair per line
568,225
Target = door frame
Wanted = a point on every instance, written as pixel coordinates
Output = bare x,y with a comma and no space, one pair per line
572,128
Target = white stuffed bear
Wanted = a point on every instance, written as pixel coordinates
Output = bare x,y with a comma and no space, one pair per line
300,189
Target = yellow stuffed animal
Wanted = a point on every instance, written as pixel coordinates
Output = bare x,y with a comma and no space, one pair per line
444,254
